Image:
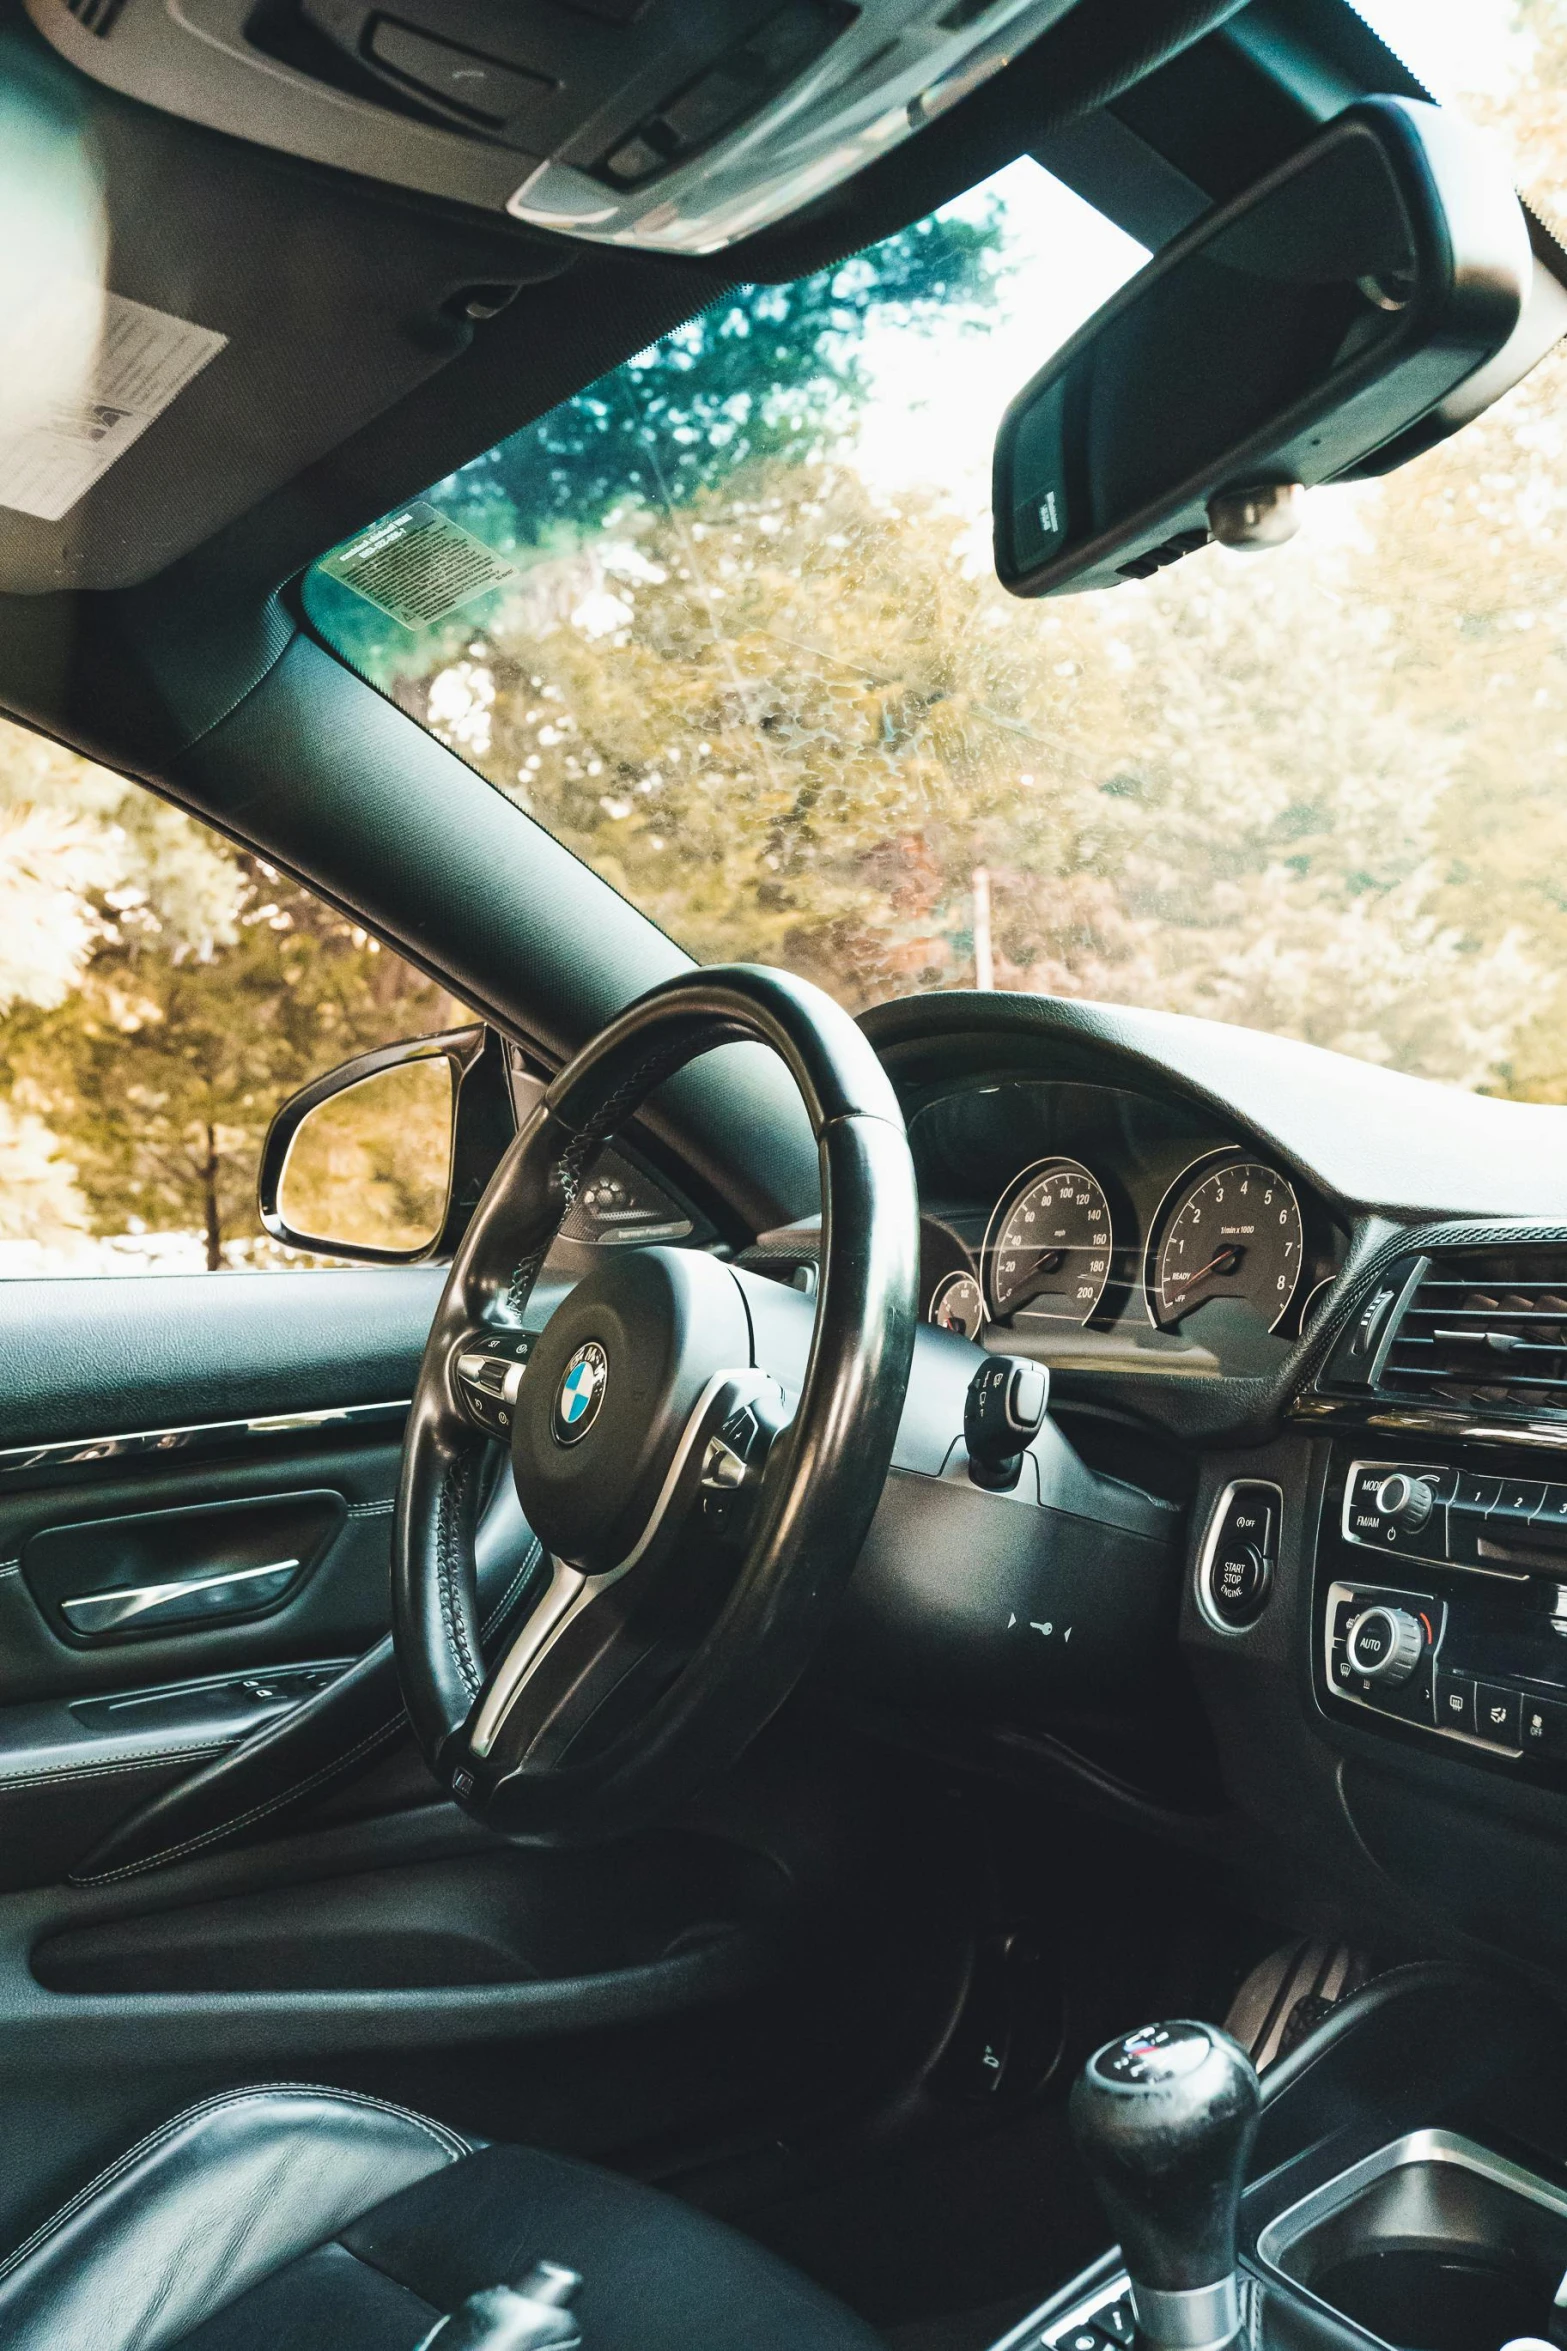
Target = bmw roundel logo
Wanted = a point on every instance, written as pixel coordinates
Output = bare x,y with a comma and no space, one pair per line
581,1392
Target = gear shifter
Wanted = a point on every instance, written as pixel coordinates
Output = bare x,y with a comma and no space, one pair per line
1164,2119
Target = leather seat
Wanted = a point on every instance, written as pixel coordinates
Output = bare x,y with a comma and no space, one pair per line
320,2220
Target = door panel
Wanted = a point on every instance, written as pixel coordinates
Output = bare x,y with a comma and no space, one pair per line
163,1433
164,1351
178,1915
103,1582
164,1525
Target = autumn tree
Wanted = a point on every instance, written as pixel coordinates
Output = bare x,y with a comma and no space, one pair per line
161,1072
789,718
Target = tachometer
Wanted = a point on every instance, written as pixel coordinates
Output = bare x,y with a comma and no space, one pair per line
1048,1247
1234,1232
958,1304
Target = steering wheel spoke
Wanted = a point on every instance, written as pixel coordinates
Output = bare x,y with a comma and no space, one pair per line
579,1639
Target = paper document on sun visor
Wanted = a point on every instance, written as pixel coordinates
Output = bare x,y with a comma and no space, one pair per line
107,368
417,566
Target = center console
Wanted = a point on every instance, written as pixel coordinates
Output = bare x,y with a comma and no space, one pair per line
1439,1611
1403,2187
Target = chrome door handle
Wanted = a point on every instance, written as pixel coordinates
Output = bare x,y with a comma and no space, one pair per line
251,1587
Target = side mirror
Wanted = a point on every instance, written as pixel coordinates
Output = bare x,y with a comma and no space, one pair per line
386,1157
1280,341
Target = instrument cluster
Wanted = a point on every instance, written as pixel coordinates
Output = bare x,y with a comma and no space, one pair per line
1148,1224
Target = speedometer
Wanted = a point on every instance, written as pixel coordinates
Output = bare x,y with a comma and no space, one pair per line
1234,1232
1048,1248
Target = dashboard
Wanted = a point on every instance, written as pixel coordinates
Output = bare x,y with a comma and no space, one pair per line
1292,1587
1322,1309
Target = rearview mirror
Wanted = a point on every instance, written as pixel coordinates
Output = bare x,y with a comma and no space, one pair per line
1281,340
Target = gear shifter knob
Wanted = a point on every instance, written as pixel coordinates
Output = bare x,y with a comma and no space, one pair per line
1164,2120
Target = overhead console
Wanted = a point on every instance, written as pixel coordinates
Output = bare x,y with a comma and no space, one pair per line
1439,1608
673,125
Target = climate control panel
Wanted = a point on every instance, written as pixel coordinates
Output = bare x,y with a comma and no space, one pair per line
1459,1632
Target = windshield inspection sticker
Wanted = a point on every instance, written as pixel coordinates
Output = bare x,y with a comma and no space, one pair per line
132,362
417,566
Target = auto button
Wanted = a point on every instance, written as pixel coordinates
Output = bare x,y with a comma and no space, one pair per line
1385,1643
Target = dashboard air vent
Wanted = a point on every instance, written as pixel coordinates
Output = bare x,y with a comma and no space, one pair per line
1485,1328
97,15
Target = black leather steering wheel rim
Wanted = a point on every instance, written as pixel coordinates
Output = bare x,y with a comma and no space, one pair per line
823,1478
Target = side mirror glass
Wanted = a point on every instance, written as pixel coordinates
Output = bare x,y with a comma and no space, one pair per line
1280,341
370,1168
386,1158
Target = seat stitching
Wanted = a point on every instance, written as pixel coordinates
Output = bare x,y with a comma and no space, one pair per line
453,2147
99,1771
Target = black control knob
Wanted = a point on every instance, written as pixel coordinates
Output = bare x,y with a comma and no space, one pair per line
1164,2119
1385,1644
1407,1500
1003,1412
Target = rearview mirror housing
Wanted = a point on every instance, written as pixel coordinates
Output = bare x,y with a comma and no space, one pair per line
1284,338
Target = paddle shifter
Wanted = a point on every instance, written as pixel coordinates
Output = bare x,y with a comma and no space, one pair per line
1164,2120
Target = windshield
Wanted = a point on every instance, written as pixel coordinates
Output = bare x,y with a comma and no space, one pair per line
726,624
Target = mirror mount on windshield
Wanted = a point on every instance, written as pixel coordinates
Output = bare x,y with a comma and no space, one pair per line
1265,515
1283,340
385,1158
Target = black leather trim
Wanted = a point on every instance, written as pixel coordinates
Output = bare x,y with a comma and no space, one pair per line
291,1761
812,1514
204,2208
86,1359
657,2275
282,1765
302,2219
328,2300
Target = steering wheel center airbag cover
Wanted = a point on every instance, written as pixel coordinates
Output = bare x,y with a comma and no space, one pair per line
632,1350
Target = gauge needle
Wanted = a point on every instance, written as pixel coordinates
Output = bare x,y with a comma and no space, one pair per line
1227,1261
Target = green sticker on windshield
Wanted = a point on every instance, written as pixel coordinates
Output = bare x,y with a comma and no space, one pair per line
418,566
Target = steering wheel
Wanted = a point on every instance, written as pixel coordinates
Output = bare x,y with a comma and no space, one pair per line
700,1457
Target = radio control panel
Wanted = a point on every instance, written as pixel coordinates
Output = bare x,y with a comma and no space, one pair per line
1461,1517
1459,1633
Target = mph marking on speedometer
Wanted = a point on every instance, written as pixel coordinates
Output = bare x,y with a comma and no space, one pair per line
1048,1249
